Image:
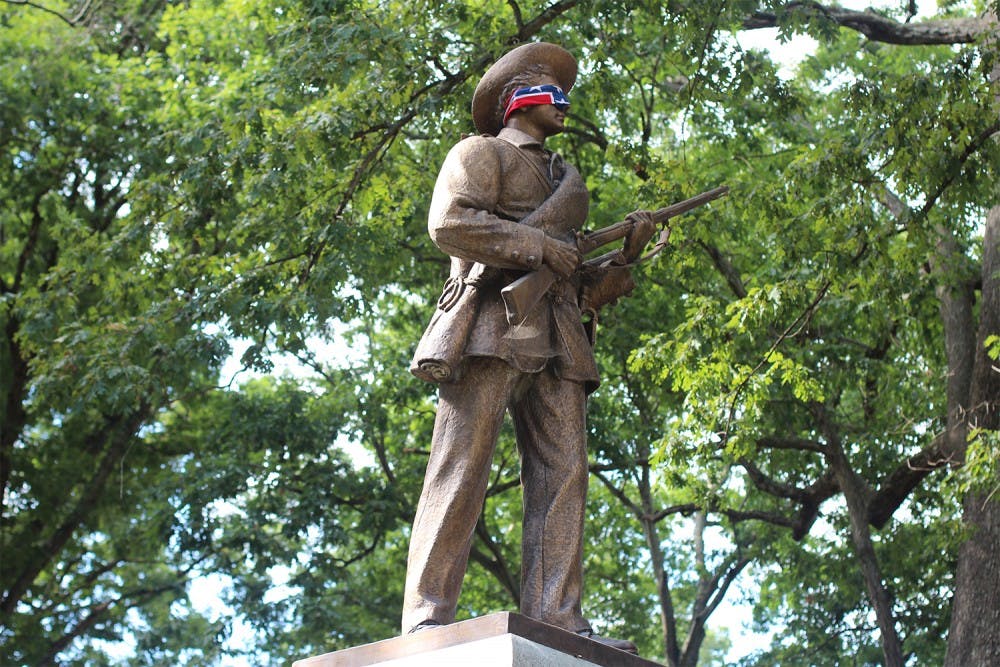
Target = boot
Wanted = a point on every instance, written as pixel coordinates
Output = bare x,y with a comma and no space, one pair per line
620,644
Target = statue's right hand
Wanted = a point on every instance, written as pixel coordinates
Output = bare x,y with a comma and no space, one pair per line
561,257
643,230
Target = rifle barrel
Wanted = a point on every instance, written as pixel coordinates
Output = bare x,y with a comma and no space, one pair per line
522,294
662,215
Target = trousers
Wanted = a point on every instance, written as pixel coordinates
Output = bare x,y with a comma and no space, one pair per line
549,417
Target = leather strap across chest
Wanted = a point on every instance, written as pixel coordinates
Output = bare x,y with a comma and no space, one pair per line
522,155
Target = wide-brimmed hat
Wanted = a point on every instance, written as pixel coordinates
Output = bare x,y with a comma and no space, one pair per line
486,114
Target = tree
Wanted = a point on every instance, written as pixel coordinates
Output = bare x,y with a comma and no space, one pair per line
972,381
782,387
91,351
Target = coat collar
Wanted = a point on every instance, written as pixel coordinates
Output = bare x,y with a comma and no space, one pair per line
518,138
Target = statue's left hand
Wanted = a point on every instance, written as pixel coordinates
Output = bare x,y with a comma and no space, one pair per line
642,231
561,257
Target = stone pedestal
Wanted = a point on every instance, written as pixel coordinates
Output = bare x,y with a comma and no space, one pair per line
498,640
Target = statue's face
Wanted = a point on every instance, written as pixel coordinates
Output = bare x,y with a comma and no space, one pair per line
545,118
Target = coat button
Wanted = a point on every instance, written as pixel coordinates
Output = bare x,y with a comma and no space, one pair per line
515,255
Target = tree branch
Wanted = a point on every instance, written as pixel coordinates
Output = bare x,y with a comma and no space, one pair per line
499,487
592,134
497,564
809,500
774,518
799,322
531,28
120,431
879,28
969,151
898,484
518,18
619,494
770,486
726,268
686,509
721,585
98,611
791,443
72,22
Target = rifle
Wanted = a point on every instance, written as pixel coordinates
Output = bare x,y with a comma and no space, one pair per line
524,293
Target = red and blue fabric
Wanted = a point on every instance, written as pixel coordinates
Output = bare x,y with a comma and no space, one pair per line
535,95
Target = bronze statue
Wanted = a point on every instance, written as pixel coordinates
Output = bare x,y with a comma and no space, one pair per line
504,206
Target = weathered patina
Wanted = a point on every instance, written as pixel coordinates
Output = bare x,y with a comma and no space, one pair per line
504,206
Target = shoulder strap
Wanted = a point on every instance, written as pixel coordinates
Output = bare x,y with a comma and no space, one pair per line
528,161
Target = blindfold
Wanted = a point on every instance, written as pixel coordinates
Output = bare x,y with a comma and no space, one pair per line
534,95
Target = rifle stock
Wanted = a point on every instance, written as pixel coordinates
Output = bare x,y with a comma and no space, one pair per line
522,295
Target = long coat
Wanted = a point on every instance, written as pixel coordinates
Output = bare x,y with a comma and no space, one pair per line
487,212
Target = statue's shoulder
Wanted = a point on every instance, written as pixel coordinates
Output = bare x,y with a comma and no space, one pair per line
475,152
490,148
472,143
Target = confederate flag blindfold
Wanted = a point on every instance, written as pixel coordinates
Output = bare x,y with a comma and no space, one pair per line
533,95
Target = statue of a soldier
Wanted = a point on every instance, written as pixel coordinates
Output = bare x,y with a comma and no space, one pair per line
503,206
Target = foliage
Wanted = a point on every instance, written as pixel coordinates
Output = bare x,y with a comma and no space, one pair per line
176,181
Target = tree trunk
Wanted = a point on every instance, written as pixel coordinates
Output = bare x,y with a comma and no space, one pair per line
696,633
858,498
116,435
668,618
974,636
668,621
